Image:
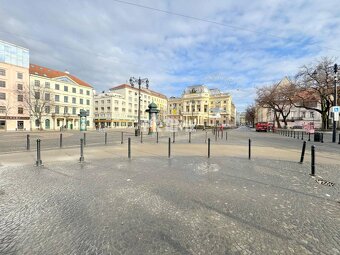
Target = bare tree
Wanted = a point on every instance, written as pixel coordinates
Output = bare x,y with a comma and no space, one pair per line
5,108
250,115
314,86
276,97
39,102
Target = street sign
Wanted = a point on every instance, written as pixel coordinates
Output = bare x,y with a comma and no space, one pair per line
335,109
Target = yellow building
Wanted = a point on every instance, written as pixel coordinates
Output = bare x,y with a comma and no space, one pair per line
14,84
119,106
202,106
56,99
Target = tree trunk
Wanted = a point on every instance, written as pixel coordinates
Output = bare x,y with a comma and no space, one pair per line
277,118
324,120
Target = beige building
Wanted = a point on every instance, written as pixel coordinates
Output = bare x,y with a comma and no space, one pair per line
14,84
119,106
56,99
202,106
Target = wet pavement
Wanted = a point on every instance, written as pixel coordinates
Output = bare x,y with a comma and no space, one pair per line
187,204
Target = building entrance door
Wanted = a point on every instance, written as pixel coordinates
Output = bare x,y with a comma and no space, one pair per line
20,125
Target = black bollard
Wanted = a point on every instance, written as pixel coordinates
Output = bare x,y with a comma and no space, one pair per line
28,142
61,140
206,137
129,147
302,135
189,137
208,147
81,159
294,134
313,161
303,152
173,137
122,137
222,134
298,135
39,161
141,137
226,136
157,137
339,139
249,149
321,137
308,137
216,135
169,148
84,139
105,137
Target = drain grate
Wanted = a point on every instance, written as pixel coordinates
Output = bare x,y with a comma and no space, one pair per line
325,183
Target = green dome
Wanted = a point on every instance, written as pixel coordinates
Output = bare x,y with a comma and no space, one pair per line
152,105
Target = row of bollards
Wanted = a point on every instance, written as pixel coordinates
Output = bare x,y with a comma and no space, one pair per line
298,134
82,145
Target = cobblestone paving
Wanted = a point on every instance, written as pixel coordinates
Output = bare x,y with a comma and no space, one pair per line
153,205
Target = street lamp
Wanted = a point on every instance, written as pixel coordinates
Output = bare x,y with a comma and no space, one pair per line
139,81
335,101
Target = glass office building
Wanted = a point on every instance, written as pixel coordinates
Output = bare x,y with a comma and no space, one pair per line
14,55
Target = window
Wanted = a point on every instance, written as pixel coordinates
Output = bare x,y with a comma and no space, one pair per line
47,85
88,102
47,109
108,101
74,90
2,72
20,86
74,100
47,96
2,109
311,114
65,110
102,101
116,109
36,83
20,76
123,109
56,110
96,108
56,98
66,88
81,101
65,99
108,108
57,87
20,110
2,84
81,91
74,110
37,95
102,108
87,92
96,102
20,98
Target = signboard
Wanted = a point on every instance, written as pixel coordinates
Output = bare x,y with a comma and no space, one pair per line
335,109
309,127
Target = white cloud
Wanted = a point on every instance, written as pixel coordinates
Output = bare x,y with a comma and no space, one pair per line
106,42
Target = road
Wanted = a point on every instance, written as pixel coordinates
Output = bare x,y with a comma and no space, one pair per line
186,204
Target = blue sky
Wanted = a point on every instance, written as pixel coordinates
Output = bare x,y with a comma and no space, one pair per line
239,46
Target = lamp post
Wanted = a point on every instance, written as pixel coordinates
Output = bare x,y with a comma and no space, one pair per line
335,101
139,81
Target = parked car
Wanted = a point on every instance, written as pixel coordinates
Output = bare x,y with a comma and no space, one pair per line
261,126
